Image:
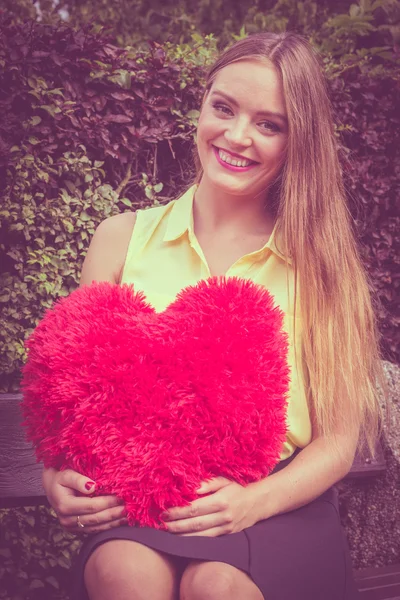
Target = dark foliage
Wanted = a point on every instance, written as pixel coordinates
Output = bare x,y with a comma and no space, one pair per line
64,88
367,108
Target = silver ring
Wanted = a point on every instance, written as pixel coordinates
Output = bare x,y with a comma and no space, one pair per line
78,521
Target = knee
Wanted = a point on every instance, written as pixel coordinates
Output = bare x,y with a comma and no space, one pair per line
114,565
106,566
207,581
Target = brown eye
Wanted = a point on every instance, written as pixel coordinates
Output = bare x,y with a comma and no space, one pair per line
271,126
221,107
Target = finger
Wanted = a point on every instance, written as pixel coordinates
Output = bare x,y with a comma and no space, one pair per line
74,480
197,508
197,525
74,505
213,485
213,532
94,519
97,528
105,526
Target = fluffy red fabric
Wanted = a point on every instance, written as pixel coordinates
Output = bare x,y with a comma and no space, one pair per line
150,404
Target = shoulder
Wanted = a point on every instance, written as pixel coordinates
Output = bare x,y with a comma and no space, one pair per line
117,224
115,232
107,250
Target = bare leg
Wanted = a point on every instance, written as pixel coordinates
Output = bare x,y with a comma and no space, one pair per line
127,570
217,581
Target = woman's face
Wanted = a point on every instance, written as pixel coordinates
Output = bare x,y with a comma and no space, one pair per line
243,113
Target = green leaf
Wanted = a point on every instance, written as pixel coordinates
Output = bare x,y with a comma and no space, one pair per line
56,91
43,176
193,114
22,574
31,520
44,563
53,581
70,185
57,537
36,94
51,109
68,226
122,78
126,202
35,120
36,584
148,190
354,10
63,562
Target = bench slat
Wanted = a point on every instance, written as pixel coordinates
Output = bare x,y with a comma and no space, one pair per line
379,583
384,593
378,571
20,474
367,466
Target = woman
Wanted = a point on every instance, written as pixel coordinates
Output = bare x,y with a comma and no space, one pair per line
267,204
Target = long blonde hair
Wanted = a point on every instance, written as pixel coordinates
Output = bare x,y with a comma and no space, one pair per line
340,343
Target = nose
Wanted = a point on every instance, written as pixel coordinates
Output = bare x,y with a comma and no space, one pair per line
237,133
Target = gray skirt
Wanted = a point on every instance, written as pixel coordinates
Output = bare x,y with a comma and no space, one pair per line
299,555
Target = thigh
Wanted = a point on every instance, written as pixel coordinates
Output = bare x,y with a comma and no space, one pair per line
209,580
124,568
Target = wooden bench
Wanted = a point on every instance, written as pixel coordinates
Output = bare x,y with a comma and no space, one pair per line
382,583
21,485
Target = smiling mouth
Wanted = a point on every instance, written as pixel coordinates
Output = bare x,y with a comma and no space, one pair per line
232,163
232,160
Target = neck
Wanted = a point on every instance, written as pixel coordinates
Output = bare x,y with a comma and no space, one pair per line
217,211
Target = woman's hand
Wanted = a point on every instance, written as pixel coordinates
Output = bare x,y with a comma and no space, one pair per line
228,508
63,489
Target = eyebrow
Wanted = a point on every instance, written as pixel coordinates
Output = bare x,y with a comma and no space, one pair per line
261,112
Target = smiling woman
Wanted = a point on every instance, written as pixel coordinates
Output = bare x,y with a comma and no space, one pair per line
243,117
268,205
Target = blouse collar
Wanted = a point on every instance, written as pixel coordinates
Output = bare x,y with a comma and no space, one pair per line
180,221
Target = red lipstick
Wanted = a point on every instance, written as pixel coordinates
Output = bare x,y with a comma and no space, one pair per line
231,167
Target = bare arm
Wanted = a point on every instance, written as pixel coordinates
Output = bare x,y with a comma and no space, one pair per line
310,474
225,506
106,254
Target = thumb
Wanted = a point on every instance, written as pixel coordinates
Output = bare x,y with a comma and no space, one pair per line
213,485
75,481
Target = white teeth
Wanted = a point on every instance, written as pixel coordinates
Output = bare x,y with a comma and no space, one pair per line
233,161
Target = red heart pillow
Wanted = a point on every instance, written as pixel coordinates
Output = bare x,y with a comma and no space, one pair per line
150,404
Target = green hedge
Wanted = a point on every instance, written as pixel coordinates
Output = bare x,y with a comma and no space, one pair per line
36,555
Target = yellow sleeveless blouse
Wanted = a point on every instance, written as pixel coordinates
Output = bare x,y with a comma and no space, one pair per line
164,256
